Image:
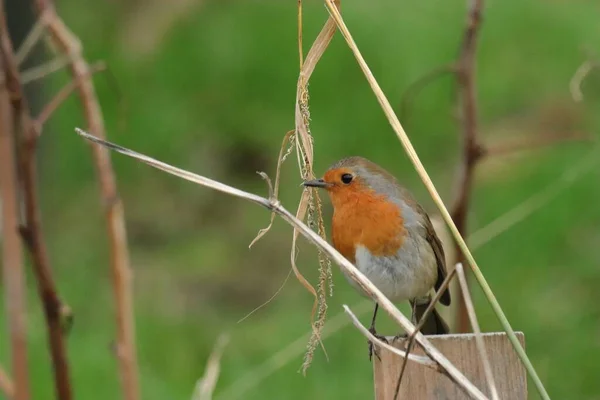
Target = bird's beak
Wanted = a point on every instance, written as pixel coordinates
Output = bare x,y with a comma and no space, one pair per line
318,183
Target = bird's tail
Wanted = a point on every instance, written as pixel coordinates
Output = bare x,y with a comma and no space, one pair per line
434,325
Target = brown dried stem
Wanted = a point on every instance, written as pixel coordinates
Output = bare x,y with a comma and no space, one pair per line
471,147
68,44
32,231
12,255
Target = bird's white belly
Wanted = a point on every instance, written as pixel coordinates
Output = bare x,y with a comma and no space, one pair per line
408,274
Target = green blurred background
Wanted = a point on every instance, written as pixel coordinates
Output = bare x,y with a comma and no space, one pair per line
210,85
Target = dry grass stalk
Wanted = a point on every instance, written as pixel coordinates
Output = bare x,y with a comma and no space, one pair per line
408,147
206,385
310,203
13,275
310,200
68,44
350,270
477,330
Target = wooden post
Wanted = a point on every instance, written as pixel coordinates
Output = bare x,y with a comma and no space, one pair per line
420,382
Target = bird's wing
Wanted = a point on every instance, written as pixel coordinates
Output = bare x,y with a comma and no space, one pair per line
440,257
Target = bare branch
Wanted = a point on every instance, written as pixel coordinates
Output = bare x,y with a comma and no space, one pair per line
32,231
13,273
471,146
68,44
315,239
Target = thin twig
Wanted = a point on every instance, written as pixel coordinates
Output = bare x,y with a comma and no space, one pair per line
69,44
206,385
32,231
284,145
347,267
13,273
487,368
426,361
34,35
61,96
42,71
6,385
421,322
410,151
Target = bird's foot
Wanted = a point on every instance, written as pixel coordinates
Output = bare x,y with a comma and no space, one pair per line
372,349
400,336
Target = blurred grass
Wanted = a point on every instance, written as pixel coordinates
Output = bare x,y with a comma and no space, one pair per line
215,95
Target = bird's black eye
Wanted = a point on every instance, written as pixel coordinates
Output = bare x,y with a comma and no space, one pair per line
347,178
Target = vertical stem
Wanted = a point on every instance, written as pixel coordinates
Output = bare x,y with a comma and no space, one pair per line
471,149
32,231
68,44
12,253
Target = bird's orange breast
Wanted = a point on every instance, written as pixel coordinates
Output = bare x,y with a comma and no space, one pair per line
364,218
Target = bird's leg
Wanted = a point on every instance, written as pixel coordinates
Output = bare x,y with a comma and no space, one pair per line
374,333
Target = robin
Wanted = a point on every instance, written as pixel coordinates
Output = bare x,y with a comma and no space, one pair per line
378,225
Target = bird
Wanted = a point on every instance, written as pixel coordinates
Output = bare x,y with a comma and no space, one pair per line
379,226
